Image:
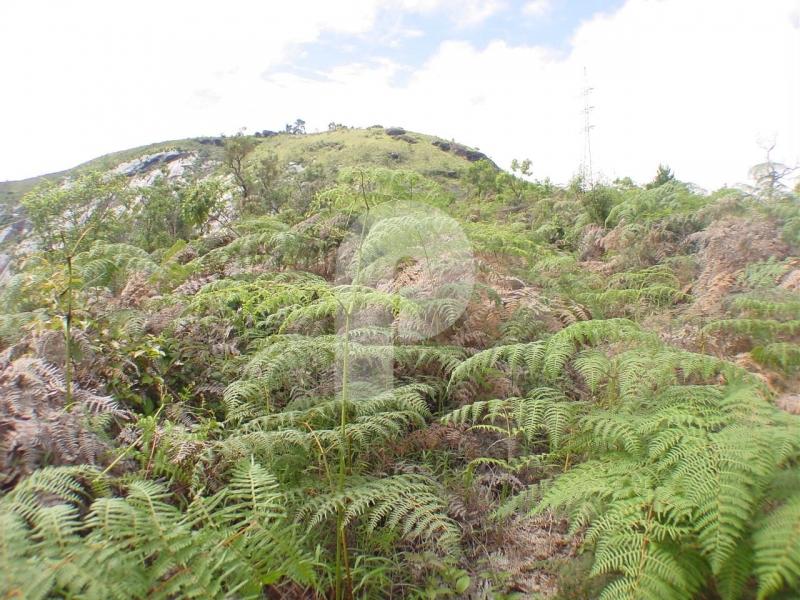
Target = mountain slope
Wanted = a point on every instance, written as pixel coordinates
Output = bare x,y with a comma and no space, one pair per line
368,363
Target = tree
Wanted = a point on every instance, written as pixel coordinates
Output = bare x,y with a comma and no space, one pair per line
71,214
171,210
769,176
266,174
201,201
159,217
598,202
235,152
624,183
297,128
68,217
663,175
521,167
482,177
513,182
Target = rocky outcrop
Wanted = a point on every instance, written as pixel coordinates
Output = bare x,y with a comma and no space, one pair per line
149,161
462,151
399,133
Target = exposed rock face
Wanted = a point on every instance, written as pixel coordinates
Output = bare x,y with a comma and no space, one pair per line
395,131
209,141
171,170
149,161
4,260
443,173
15,230
462,151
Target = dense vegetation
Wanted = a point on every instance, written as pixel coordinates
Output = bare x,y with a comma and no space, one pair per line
273,371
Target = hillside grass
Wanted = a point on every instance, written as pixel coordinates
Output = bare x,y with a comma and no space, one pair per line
371,147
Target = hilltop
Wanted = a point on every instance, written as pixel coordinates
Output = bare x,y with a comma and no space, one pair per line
376,146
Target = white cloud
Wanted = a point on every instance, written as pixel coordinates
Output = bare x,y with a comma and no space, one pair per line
83,78
677,81
464,13
537,8
469,13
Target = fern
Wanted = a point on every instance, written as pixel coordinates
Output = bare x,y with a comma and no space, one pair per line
108,265
407,504
682,470
723,477
316,429
778,355
755,328
141,545
777,550
544,410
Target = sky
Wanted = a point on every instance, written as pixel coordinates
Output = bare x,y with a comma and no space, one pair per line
701,85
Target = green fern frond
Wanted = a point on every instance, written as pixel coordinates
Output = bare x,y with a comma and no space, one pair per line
777,550
724,478
594,366
768,329
778,355
107,264
407,504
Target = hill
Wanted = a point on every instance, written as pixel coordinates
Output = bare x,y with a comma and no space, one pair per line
330,150
369,363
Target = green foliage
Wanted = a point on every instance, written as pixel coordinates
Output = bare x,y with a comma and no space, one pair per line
407,504
482,177
676,473
598,202
69,216
242,382
635,291
142,546
645,206
236,150
777,548
663,175
110,265
778,355
170,211
543,410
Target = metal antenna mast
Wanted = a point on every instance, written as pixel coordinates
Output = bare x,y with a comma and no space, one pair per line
587,132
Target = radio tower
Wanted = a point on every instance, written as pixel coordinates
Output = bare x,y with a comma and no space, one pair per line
587,132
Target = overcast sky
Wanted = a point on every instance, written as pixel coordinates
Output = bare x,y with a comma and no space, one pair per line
698,84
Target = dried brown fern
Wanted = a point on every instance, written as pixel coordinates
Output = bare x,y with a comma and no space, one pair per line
725,248
37,428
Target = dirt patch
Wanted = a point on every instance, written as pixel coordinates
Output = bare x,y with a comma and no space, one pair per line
789,402
526,547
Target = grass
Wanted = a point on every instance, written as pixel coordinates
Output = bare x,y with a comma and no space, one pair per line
367,147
